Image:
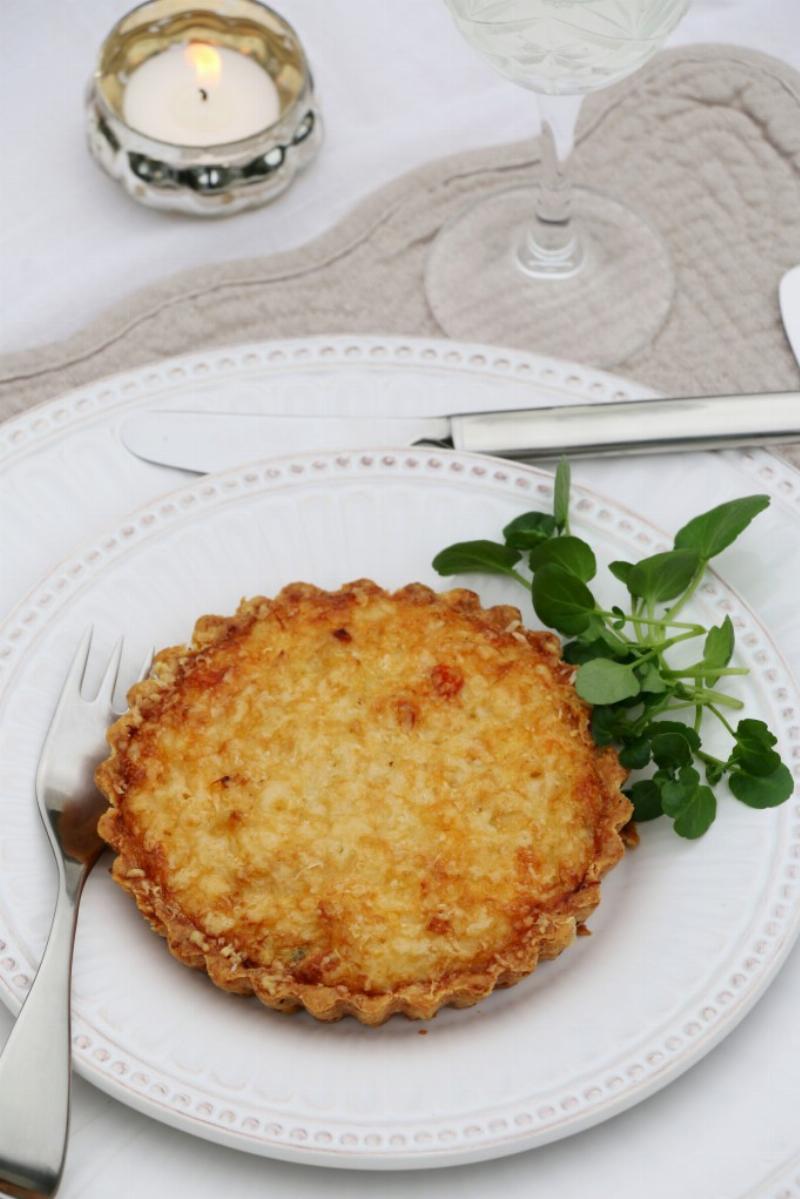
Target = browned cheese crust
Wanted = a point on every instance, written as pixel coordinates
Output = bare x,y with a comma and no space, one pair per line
362,803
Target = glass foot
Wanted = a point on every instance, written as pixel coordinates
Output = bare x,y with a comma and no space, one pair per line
599,307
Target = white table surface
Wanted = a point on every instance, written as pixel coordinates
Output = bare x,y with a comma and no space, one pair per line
396,92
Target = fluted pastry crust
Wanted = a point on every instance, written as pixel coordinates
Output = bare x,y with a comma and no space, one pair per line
362,803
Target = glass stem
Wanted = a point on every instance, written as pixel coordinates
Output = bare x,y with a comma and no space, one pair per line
551,246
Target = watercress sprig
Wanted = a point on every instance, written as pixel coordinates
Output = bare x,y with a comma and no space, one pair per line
621,656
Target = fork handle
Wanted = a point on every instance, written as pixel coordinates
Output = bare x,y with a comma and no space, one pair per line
35,1064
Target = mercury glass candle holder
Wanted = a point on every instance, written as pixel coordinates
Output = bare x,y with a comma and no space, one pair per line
216,179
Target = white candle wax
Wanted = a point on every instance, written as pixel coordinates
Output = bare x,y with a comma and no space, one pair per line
200,95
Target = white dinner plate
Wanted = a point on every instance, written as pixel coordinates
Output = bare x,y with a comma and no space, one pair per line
687,936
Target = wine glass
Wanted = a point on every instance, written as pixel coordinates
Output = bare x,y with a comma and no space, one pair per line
565,270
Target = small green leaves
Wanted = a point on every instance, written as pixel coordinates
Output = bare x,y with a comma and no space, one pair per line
621,571
718,648
651,679
712,532
561,600
671,750
689,803
529,530
561,496
636,754
677,791
596,641
697,814
583,650
715,771
646,799
604,682
660,727
753,752
759,778
663,576
622,667
466,557
608,725
763,792
570,553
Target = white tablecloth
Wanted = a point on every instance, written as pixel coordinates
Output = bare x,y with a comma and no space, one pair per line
398,87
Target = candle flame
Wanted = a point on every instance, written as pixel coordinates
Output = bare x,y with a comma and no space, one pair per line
206,62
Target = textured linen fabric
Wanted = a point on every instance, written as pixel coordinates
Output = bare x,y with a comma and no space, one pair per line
704,141
71,244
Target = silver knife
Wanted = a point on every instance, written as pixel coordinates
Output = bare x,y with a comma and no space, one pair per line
211,441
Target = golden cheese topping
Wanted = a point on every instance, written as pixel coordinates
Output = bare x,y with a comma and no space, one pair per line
362,802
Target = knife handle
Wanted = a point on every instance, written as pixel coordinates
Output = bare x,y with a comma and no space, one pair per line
631,427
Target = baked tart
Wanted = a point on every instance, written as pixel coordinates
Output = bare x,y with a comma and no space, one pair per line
361,802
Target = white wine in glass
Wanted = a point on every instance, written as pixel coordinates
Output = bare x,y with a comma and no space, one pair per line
563,270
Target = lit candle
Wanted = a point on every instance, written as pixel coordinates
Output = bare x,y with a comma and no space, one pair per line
205,110
200,95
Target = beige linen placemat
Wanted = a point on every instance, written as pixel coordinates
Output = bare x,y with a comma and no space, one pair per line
704,141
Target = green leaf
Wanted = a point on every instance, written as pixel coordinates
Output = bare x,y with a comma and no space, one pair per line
714,772
646,799
663,576
594,629
650,678
697,816
598,631
767,792
578,652
561,496
466,557
529,530
604,682
619,621
755,759
756,731
674,726
649,700
753,753
636,754
606,646
713,531
615,643
621,571
607,725
671,750
676,793
718,647
570,553
561,601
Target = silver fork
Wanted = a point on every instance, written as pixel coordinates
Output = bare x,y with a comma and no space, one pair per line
35,1064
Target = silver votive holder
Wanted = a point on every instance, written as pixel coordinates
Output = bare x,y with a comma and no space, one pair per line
215,179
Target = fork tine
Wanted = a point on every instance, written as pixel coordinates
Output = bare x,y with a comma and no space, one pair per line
77,667
105,692
143,673
147,665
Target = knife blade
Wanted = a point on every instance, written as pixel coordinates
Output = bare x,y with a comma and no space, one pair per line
789,292
211,441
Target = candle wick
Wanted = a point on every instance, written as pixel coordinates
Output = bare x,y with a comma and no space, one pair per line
203,93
